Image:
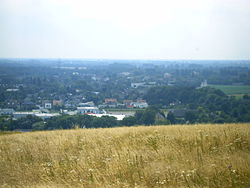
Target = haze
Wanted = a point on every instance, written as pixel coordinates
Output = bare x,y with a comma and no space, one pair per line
129,29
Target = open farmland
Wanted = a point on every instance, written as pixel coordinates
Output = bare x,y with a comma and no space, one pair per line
156,156
233,89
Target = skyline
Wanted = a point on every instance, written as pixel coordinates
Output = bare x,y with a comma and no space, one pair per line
160,30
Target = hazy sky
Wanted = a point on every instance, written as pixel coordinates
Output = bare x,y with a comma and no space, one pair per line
125,29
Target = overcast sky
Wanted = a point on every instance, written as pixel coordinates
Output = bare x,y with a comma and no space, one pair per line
125,29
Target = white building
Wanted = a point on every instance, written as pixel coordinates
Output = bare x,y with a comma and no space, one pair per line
140,104
204,84
87,110
43,116
136,85
47,105
18,115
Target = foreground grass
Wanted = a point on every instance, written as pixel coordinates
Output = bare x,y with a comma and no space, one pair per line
159,156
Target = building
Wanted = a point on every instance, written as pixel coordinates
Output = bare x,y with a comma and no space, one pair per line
136,85
47,105
43,116
86,104
128,103
18,115
88,110
111,103
140,104
204,84
7,111
46,116
57,102
9,90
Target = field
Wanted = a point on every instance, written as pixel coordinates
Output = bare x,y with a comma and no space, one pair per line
233,89
156,156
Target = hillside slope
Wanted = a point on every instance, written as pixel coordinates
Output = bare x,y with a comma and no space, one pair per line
157,156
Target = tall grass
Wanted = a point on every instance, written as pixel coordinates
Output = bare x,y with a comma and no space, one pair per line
158,156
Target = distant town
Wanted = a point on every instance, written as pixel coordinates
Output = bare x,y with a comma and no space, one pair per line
186,90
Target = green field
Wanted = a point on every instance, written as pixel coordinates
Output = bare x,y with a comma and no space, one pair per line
232,89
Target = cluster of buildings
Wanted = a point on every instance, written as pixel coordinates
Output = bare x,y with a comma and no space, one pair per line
113,103
44,111
16,115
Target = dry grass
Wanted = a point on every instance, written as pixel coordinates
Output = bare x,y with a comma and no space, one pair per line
159,156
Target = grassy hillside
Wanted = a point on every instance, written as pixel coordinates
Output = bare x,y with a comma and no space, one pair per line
159,156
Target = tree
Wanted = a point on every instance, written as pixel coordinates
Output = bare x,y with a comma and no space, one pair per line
38,125
171,117
148,117
190,117
128,121
25,122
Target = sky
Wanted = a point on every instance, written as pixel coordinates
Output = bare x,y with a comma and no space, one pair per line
125,29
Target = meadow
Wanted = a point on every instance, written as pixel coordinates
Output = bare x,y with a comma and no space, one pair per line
152,156
233,89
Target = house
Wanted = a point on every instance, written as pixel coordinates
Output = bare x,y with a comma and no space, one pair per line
57,102
111,103
128,103
87,110
140,104
7,111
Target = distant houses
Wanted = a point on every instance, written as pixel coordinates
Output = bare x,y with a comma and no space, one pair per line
135,104
112,103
